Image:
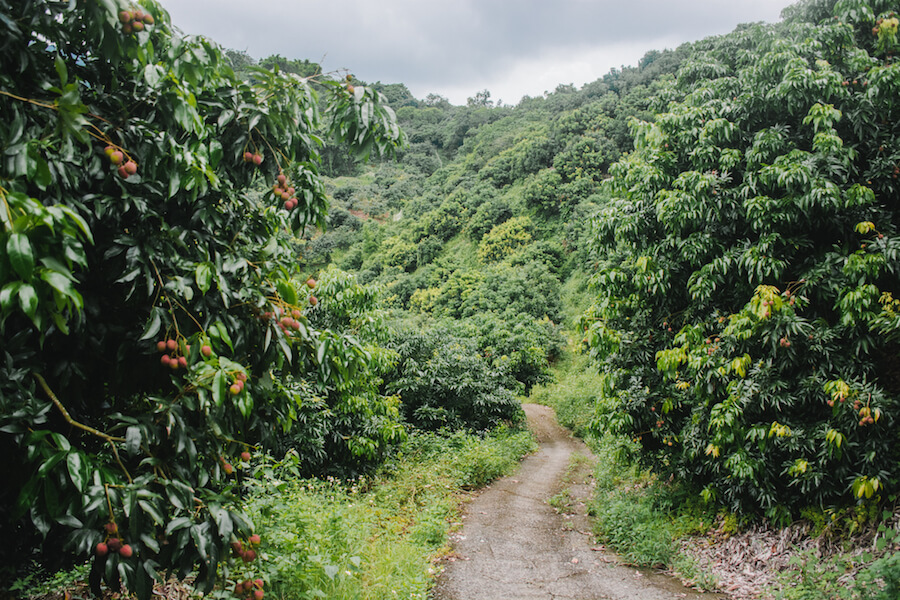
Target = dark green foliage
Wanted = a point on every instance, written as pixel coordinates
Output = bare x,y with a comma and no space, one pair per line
746,265
194,247
443,380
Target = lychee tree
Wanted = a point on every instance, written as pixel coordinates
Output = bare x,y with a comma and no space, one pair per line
155,324
748,266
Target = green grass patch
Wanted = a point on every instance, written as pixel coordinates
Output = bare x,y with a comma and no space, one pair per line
375,538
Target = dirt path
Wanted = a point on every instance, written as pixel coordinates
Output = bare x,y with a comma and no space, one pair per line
515,546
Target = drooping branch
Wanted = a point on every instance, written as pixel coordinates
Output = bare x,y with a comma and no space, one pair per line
105,436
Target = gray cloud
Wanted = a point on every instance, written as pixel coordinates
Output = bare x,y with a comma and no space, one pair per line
466,44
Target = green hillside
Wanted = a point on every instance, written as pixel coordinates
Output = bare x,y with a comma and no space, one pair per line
224,277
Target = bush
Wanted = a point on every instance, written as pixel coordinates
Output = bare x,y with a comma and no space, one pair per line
444,381
155,322
746,265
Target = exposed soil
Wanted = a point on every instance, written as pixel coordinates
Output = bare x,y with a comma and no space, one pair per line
515,545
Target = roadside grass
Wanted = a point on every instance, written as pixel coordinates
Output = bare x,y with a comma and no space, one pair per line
376,538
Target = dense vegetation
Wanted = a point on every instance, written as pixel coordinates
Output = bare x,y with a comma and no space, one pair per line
716,228
747,261
157,328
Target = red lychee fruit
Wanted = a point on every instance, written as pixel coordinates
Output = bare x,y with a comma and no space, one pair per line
235,389
171,345
182,361
255,539
281,178
258,594
248,157
116,157
125,16
126,551
161,346
245,456
313,300
111,528
114,544
257,159
122,172
164,360
237,546
249,556
137,25
311,283
148,19
206,351
101,549
228,468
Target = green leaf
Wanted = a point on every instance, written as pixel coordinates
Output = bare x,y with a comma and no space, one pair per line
8,294
76,472
151,509
203,274
218,388
21,255
28,301
219,332
286,291
61,70
154,324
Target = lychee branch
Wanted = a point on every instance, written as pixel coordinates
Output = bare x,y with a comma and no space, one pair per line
68,418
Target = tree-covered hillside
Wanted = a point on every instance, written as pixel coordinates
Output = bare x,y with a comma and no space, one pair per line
203,281
733,203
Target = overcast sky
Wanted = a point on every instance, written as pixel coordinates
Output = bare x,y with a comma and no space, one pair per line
455,48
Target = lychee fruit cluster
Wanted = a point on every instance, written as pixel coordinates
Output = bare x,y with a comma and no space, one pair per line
253,157
288,322
285,191
125,168
246,550
252,590
170,354
135,20
113,544
237,385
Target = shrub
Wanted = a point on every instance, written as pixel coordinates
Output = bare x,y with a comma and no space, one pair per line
746,266
155,322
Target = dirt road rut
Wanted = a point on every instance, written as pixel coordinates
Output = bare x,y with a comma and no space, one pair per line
515,546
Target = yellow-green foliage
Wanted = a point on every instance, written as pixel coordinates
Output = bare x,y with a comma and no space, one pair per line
504,239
